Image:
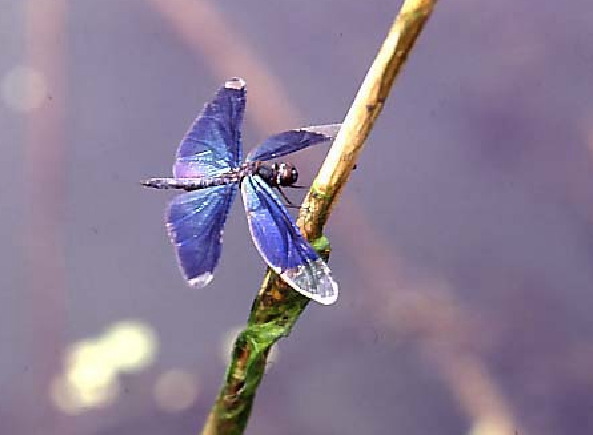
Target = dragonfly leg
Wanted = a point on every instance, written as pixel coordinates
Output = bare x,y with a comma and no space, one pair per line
289,203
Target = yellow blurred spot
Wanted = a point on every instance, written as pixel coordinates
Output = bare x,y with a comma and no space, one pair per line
97,394
175,390
23,88
87,364
491,426
62,397
72,398
130,345
90,377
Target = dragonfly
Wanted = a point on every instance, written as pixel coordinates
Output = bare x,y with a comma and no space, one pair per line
210,168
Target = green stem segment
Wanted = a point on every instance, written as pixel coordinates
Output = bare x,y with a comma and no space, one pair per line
277,307
273,314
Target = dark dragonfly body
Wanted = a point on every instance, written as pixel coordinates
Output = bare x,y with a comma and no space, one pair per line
209,167
276,175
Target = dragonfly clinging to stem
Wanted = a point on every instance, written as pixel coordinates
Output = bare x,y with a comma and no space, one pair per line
209,167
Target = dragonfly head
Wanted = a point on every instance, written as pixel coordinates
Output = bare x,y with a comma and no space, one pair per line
285,174
278,174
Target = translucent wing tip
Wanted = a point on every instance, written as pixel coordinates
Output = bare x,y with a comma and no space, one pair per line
235,83
313,280
201,281
329,130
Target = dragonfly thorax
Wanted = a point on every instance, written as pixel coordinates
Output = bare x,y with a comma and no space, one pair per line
278,174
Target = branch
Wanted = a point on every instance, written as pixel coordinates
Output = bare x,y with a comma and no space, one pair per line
277,307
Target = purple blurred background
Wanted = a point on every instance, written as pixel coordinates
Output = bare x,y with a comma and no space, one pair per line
463,244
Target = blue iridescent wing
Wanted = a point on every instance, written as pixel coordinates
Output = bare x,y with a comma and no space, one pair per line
195,223
291,141
282,246
213,142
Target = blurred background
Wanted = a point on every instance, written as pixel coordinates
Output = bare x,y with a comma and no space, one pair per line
463,244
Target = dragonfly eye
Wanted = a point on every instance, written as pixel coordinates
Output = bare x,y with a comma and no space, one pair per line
286,174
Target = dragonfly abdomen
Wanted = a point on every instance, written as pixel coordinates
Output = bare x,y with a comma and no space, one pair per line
230,177
187,183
